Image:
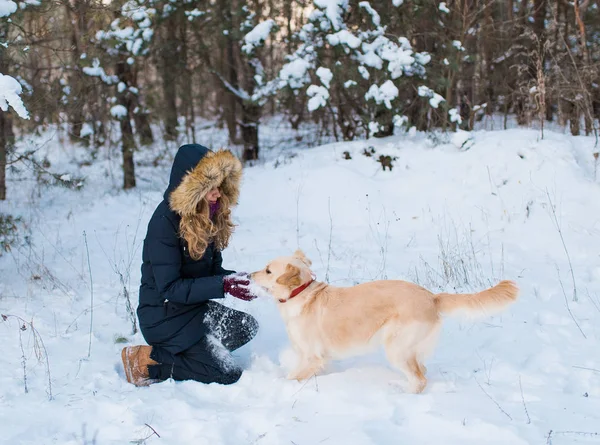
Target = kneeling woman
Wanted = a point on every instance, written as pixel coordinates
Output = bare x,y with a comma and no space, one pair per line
189,333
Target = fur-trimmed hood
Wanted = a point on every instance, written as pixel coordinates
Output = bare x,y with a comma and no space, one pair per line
196,170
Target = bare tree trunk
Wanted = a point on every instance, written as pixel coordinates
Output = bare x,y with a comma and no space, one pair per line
523,75
585,101
579,9
488,94
169,57
230,103
6,133
229,59
288,14
295,104
273,12
143,129
251,111
77,12
539,19
539,28
123,72
4,122
250,120
571,111
186,95
141,118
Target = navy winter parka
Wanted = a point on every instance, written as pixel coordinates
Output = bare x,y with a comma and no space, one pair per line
175,288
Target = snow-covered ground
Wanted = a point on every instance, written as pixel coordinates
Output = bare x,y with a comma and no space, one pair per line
446,218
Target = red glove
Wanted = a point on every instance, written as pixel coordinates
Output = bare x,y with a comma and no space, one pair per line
237,287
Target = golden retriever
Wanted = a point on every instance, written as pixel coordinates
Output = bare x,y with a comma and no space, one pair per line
324,322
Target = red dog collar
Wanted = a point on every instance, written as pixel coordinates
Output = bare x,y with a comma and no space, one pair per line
298,290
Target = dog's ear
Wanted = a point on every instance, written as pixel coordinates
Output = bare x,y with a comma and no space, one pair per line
291,276
299,254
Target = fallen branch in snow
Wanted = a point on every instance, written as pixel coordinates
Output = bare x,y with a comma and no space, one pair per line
143,440
578,433
91,294
564,433
153,431
567,304
587,369
562,239
523,399
493,400
38,347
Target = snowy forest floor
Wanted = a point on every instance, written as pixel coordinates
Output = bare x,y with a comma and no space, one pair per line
505,205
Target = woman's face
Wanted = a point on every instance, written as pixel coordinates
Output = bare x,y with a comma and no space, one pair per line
213,195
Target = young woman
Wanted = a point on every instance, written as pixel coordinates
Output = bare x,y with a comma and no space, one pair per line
190,335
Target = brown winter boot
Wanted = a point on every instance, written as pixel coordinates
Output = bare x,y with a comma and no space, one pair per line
136,360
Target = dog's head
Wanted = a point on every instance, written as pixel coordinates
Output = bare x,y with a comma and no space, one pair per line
284,274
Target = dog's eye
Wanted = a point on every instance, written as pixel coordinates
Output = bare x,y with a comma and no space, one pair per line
268,271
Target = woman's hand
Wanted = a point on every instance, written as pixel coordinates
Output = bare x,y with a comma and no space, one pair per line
238,286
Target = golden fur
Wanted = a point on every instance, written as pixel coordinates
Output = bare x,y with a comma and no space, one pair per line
325,322
220,169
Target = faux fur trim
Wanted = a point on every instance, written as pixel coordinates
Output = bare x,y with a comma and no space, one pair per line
216,169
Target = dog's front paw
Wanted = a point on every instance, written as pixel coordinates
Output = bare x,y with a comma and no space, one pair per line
301,375
293,376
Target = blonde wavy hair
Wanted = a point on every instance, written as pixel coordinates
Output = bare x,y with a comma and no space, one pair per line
220,169
199,230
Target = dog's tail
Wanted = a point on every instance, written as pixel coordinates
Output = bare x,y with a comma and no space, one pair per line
480,304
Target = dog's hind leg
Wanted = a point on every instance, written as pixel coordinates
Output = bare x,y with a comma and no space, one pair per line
411,368
405,347
425,346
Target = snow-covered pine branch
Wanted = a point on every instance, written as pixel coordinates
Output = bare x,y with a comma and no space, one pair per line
97,71
260,89
237,92
257,36
368,68
10,88
131,33
128,36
